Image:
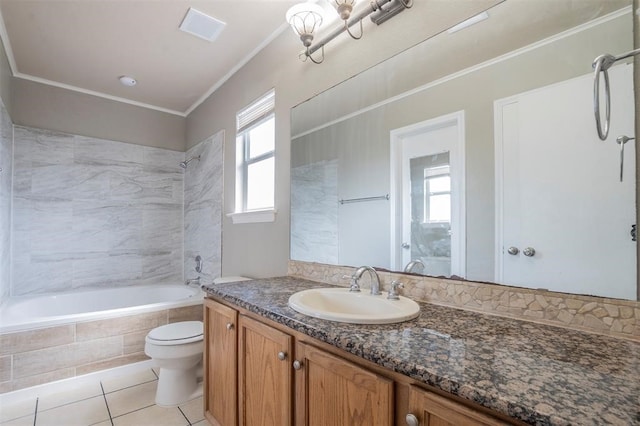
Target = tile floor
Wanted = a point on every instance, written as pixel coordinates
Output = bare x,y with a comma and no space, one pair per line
123,401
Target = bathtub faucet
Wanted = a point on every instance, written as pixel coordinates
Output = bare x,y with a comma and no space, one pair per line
192,281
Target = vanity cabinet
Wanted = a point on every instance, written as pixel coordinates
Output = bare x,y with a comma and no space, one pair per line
428,409
333,391
257,373
220,364
265,375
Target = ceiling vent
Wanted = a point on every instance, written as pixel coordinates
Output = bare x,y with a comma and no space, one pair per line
201,25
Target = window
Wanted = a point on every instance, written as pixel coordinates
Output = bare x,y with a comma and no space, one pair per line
437,190
255,159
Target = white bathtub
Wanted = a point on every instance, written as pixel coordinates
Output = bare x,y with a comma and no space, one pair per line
32,312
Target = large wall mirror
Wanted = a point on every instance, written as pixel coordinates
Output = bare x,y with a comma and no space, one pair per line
475,154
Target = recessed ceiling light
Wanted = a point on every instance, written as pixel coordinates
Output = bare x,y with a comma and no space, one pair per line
127,81
201,25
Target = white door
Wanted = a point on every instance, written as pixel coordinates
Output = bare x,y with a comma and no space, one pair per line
429,196
558,190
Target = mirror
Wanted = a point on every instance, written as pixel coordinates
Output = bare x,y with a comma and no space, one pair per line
475,154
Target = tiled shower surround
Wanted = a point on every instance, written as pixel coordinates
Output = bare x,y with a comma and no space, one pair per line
203,209
6,154
90,212
97,213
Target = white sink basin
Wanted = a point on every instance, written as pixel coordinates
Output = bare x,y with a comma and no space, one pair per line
338,304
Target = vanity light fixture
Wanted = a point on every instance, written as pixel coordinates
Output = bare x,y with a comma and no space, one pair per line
305,18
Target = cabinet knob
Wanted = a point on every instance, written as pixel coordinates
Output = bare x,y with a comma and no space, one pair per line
412,420
229,326
282,356
297,365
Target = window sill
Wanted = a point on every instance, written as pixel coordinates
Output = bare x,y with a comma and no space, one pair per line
257,216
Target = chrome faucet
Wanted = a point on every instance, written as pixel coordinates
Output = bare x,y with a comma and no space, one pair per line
191,281
412,264
375,282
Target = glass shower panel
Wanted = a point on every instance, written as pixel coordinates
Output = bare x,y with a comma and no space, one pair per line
431,212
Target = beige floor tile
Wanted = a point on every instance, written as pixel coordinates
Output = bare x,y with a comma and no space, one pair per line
82,413
201,423
105,423
47,402
128,380
194,410
132,398
152,416
20,409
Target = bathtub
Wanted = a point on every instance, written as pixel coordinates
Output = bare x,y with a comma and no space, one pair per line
53,337
30,312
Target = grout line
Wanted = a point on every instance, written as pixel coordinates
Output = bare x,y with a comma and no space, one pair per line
131,386
185,416
106,403
35,415
133,411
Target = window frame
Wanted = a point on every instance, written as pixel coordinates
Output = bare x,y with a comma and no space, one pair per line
256,113
247,161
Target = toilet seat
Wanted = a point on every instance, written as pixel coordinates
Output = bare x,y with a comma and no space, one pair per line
178,333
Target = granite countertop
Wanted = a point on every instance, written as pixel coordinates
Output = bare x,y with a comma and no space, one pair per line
539,374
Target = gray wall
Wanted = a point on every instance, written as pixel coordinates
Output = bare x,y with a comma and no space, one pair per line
48,107
89,212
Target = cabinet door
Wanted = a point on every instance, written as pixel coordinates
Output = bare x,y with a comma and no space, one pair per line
434,410
333,391
265,375
220,364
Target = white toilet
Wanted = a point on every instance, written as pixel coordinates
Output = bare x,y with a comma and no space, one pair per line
177,350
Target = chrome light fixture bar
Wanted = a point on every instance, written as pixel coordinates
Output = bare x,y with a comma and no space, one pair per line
306,18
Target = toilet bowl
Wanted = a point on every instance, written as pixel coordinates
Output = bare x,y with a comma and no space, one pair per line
176,349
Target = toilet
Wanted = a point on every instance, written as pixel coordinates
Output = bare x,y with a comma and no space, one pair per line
176,349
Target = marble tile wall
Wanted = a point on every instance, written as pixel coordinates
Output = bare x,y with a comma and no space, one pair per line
615,317
314,198
30,358
89,212
6,156
203,191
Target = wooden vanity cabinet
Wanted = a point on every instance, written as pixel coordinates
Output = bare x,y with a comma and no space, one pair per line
333,391
220,364
259,374
430,409
265,375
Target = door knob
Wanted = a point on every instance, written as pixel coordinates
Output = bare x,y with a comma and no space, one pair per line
411,420
529,252
513,251
406,245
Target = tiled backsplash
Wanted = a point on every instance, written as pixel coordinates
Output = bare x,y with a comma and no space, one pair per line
614,317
